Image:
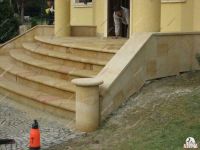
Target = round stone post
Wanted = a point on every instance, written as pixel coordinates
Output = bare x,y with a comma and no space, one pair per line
146,15
62,18
87,104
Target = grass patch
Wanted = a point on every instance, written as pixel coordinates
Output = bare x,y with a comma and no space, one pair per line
181,119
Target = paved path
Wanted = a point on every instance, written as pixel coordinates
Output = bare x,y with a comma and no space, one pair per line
16,120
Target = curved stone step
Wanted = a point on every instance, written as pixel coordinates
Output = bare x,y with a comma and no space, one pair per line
60,71
36,80
88,51
83,73
37,99
71,43
61,62
38,49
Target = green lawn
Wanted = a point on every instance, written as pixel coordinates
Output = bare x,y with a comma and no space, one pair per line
168,127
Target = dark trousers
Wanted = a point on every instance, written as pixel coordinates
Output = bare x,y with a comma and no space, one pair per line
50,19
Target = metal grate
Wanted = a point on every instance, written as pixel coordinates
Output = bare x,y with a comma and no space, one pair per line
8,144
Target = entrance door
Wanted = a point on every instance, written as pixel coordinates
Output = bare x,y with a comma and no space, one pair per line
111,28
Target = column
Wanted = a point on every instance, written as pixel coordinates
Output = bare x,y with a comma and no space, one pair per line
62,18
87,104
146,15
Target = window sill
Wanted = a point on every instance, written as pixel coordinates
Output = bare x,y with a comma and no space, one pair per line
173,1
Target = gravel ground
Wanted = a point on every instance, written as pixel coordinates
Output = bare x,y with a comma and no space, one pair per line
16,120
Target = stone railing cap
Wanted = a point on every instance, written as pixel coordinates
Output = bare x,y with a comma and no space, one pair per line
87,82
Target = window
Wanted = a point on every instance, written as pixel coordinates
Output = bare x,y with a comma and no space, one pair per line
82,3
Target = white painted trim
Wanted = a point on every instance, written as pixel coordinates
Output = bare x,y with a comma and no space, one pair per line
173,1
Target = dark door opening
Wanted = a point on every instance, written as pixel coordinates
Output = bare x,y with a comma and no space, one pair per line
111,27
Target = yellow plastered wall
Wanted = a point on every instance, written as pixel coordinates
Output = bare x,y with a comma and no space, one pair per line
187,16
82,15
94,15
178,17
145,15
196,16
100,16
170,17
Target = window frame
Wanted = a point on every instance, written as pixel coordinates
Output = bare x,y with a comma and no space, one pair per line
81,4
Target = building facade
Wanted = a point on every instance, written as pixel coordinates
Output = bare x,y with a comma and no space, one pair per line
145,15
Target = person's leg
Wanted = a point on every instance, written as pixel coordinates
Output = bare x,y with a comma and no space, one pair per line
127,34
51,19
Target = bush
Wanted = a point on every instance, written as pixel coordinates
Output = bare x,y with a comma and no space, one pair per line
33,22
9,25
34,8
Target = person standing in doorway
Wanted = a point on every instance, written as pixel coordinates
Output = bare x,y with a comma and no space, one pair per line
121,16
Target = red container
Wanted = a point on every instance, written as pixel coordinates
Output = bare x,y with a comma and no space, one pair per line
34,137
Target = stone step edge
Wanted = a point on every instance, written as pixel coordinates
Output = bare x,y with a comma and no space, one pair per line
39,39
71,110
38,66
36,81
84,60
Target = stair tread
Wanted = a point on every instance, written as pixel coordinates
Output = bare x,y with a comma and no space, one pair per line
19,55
91,44
68,104
36,48
6,63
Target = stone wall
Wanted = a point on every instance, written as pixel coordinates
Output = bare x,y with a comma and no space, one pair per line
26,37
144,57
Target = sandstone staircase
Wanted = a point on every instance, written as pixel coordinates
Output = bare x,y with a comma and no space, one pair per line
40,73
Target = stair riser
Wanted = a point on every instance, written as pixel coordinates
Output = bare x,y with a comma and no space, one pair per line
9,76
43,71
71,77
45,88
79,52
74,64
37,105
39,86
